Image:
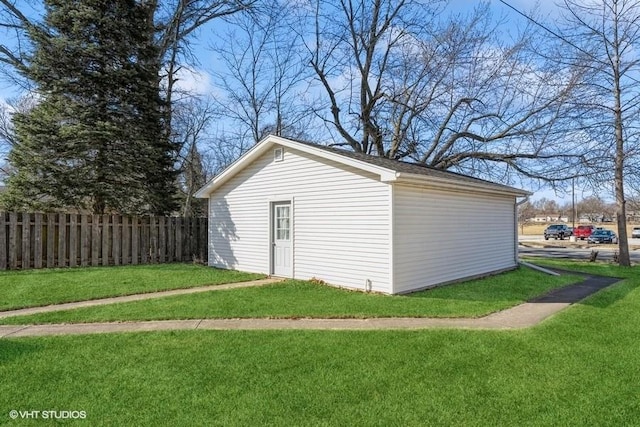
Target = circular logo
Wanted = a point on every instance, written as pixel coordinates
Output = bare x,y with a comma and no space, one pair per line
13,414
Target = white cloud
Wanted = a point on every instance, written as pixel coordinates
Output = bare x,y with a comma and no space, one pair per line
194,81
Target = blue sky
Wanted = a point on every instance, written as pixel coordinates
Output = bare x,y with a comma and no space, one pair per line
200,81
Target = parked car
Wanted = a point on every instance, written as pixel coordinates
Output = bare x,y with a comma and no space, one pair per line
583,231
557,231
603,236
635,233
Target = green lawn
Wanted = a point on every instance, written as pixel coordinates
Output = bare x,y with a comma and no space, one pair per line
30,288
303,299
579,368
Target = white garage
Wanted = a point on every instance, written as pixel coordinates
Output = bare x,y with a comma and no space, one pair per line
299,210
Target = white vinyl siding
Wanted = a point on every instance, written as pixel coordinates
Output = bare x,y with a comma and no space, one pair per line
442,236
340,220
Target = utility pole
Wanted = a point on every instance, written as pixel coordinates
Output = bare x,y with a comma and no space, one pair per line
573,201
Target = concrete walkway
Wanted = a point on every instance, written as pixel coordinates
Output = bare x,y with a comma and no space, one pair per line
135,297
522,316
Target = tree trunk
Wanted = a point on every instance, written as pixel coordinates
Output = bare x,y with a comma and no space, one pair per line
621,214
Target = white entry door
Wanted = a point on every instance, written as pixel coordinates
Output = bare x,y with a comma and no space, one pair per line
281,239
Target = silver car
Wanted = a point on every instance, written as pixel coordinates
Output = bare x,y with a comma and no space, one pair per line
635,233
603,236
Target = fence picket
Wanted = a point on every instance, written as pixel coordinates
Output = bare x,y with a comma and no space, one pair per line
162,240
116,240
179,256
51,239
26,241
96,234
135,239
73,240
3,241
85,241
171,239
37,240
144,240
186,248
13,236
126,241
62,240
106,238
153,240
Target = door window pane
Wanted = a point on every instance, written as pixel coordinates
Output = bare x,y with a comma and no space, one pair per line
282,223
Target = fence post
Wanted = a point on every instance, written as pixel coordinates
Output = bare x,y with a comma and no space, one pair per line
3,241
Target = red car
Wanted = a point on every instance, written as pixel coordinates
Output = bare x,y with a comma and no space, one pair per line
583,231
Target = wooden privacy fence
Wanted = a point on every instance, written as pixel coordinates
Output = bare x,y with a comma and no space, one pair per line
37,240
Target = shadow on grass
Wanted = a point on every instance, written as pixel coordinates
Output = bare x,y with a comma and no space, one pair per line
614,281
522,284
10,350
611,295
577,292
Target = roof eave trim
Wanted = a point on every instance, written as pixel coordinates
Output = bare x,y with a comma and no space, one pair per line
437,182
384,173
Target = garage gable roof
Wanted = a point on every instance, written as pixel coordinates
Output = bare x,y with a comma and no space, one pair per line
389,170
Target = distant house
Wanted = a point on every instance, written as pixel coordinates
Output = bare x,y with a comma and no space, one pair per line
633,216
540,218
595,218
300,210
550,218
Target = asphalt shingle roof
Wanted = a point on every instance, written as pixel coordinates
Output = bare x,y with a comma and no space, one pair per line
412,168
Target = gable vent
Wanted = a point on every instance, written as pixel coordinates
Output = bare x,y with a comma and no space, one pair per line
278,154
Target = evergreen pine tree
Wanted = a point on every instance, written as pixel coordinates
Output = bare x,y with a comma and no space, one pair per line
96,140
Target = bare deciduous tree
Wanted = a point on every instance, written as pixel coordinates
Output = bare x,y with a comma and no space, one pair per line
600,38
262,76
178,21
192,118
404,81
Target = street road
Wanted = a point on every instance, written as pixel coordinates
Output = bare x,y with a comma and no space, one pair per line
604,253
572,253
